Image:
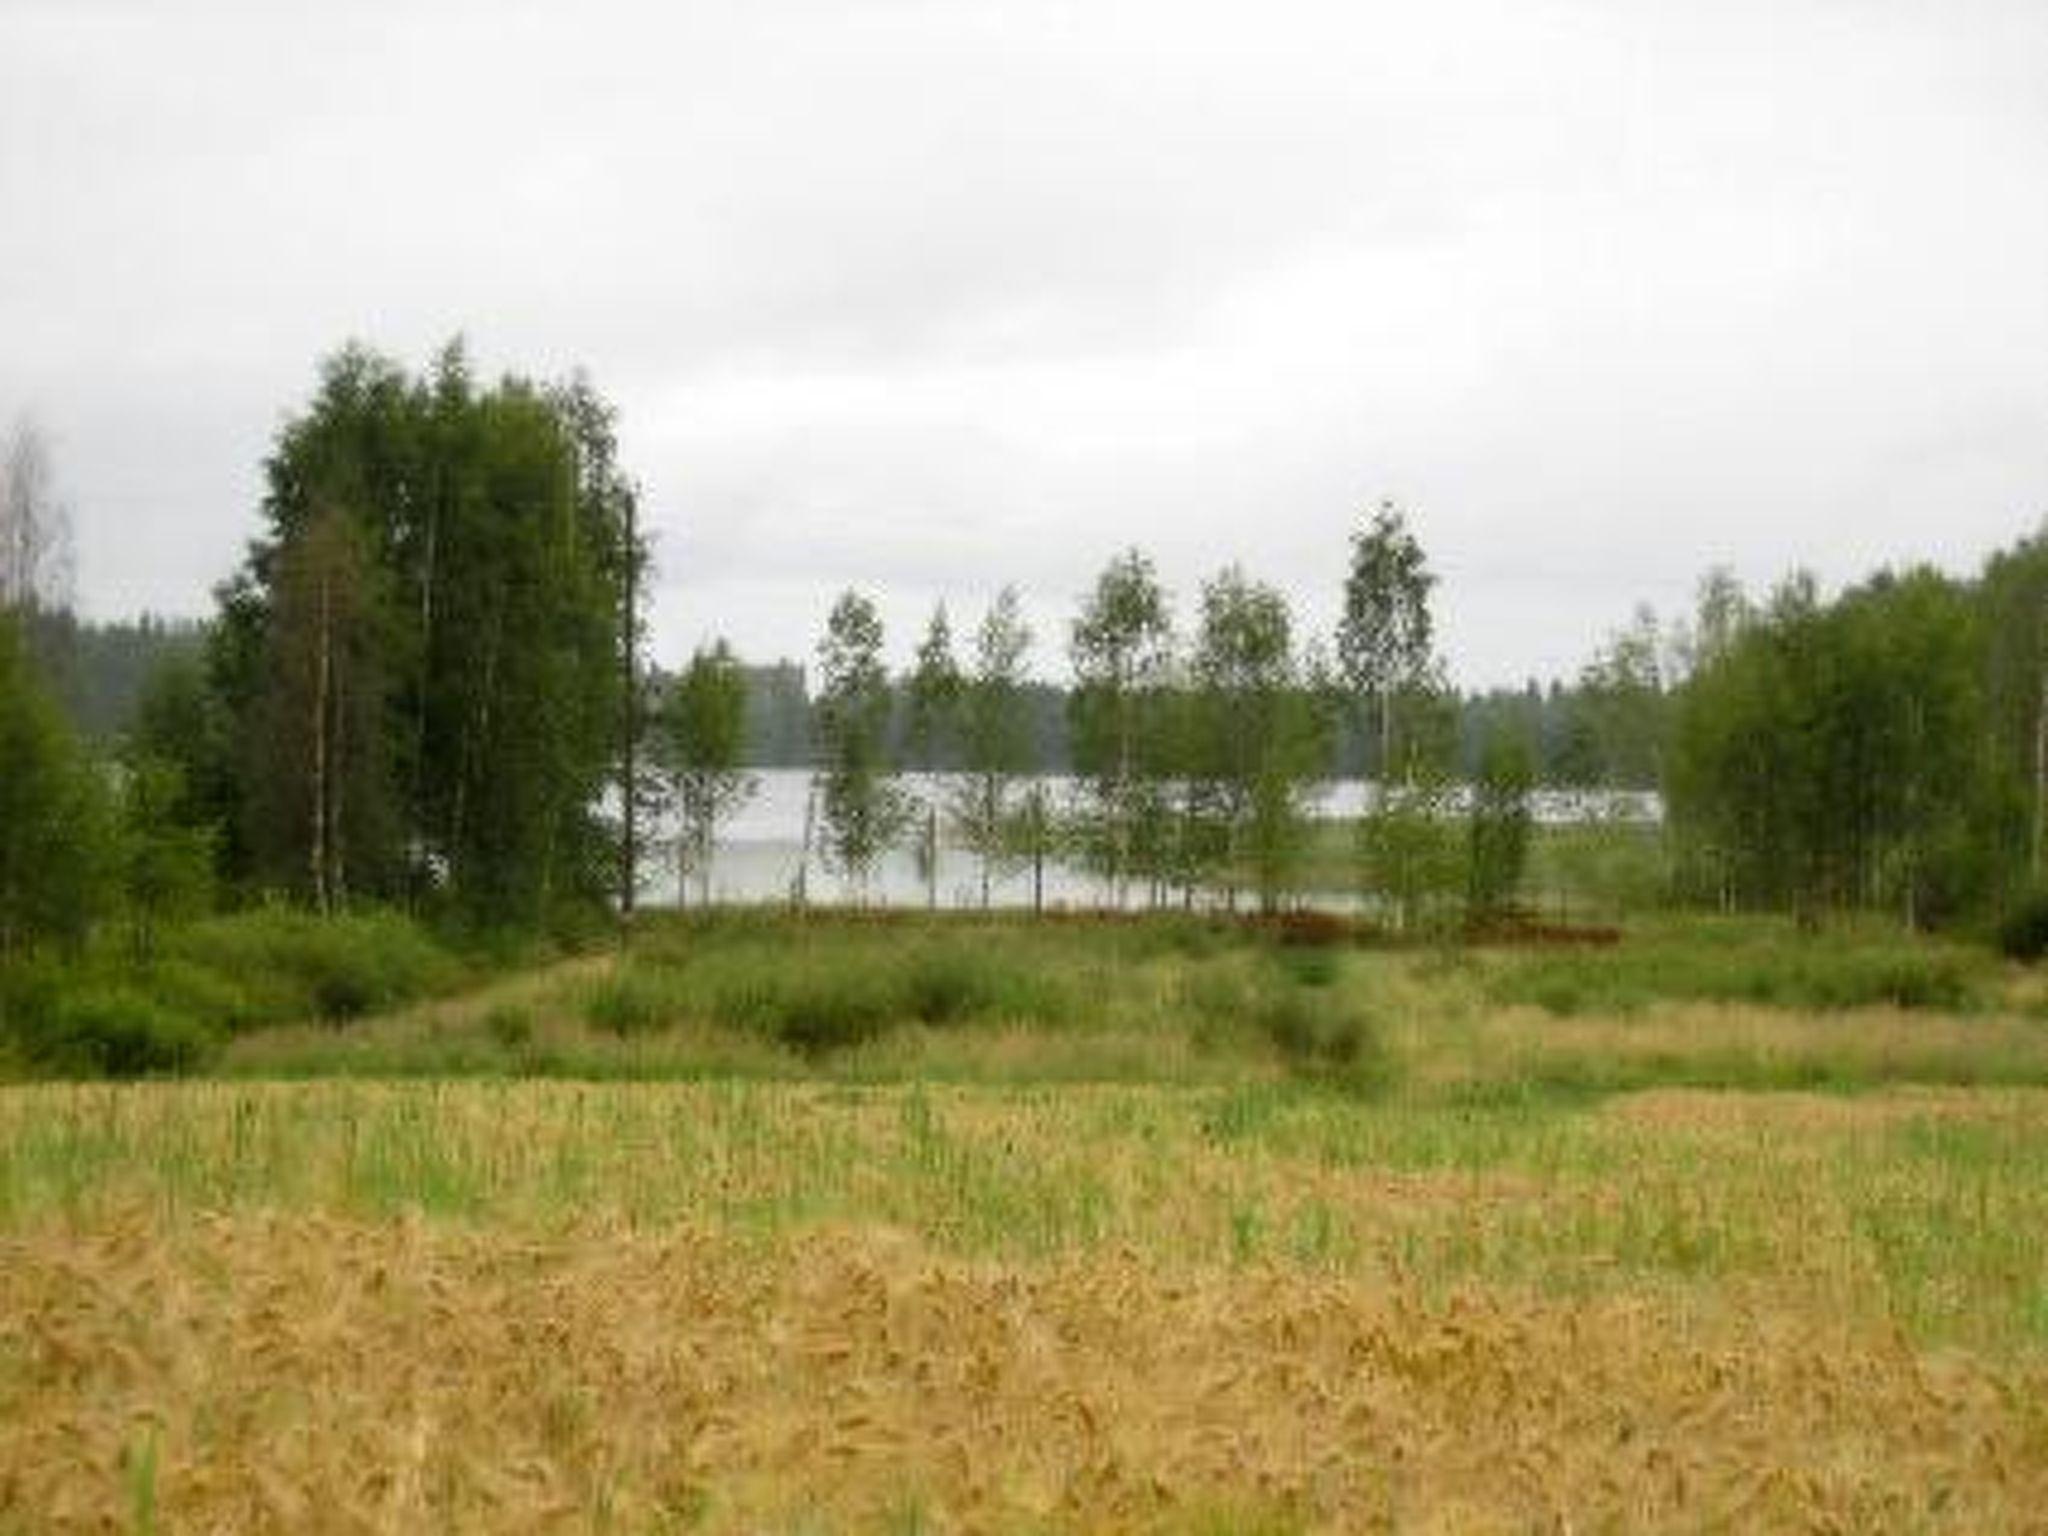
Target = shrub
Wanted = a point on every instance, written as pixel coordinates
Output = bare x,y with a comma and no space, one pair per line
212,998
115,1031
630,1002
1323,1037
820,1013
510,1026
1812,973
1310,967
293,965
2024,933
945,986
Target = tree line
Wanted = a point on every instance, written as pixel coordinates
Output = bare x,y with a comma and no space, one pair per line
426,685
1197,749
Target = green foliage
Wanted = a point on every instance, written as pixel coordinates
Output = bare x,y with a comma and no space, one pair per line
117,1031
995,743
1291,999
1118,722
630,1003
863,811
932,696
1386,637
109,667
1410,856
293,965
2024,933
1827,973
1832,755
700,741
1498,828
825,991
420,658
166,863
1261,739
112,1011
1621,710
1605,862
55,823
510,1026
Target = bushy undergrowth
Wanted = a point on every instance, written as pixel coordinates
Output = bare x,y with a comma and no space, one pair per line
294,965
106,1013
1824,974
121,1031
825,989
2024,933
1291,998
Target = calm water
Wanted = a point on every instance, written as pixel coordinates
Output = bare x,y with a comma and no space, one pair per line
760,848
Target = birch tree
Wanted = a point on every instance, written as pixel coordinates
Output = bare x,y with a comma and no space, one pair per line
860,806
701,737
1121,650
995,739
1386,636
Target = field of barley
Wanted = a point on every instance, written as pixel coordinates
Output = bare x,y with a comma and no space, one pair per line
1030,1231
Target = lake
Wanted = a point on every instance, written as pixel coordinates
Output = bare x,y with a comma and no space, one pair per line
760,849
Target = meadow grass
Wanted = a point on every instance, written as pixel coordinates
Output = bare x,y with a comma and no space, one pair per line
1202,1002
1918,1208
910,1224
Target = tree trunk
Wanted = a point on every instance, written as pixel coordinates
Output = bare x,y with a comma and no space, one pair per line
629,851
800,887
415,878
2040,852
337,789
317,851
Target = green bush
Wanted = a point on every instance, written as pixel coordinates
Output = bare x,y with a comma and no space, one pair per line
116,1031
2024,933
1327,1038
946,986
295,965
631,1002
1310,967
817,1013
1823,974
510,1026
818,989
216,1000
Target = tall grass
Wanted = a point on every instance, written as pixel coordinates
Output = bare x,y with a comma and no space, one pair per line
1911,1209
1746,962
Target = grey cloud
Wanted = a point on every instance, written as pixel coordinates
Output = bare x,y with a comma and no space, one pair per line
926,296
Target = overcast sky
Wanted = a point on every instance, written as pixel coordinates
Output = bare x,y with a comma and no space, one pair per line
922,298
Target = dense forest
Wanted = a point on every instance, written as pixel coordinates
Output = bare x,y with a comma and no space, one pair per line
427,687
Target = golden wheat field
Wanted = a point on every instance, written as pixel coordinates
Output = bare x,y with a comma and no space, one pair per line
788,1307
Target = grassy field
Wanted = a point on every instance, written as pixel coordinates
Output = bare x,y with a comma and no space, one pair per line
1001,1227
